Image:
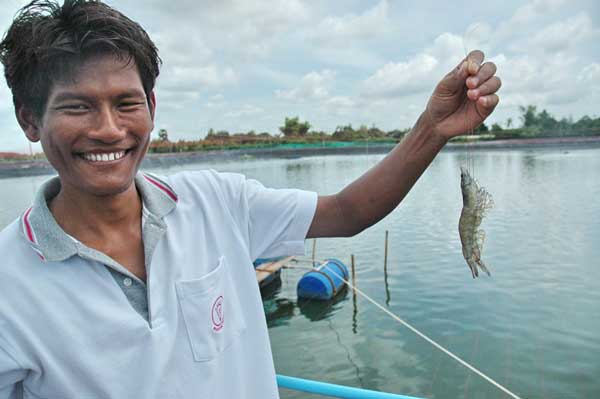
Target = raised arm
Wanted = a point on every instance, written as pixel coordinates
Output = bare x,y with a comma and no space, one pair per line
461,101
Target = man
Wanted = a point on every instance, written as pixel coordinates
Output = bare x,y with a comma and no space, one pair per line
120,284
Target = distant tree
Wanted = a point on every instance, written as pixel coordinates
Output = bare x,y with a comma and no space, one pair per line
293,127
496,127
481,129
509,123
345,133
528,115
376,132
546,121
163,135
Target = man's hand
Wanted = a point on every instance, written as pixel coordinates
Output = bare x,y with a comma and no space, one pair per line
464,97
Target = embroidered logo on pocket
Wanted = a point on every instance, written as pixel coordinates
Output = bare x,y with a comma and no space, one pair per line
218,318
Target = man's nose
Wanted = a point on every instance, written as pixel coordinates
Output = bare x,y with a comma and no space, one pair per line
107,127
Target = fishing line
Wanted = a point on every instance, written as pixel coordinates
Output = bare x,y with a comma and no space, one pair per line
470,132
420,334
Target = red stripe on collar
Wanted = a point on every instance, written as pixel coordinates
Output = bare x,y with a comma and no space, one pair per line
28,229
161,186
30,234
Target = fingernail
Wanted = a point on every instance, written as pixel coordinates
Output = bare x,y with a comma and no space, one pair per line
473,67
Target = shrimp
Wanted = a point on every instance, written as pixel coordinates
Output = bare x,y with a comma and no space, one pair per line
476,202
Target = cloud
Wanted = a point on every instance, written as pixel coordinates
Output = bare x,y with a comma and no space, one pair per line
370,24
530,12
313,86
420,73
215,101
545,81
401,78
245,110
562,35
242,28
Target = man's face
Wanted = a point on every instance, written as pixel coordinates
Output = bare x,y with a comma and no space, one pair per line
96,128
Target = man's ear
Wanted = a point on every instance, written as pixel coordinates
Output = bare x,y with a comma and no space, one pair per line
29,123
152,104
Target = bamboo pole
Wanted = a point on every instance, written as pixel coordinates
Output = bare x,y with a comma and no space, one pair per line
353,275
385,256
314,251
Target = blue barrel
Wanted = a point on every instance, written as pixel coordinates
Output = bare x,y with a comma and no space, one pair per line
324,282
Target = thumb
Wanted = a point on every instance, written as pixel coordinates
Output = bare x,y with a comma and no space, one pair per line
454,81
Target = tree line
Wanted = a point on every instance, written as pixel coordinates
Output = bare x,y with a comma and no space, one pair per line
533,123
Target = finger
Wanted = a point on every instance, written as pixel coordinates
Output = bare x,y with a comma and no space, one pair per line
488,103
474,60
485,72
491,86
455,79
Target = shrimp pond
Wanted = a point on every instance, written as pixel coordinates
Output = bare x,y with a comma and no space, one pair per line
533,326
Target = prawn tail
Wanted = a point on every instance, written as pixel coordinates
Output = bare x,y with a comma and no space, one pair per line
483,267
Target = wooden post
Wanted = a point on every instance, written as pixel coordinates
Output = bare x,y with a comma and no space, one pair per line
314,251
354,308
385,256
353,274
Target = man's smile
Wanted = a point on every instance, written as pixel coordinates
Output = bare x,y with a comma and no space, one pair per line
103,156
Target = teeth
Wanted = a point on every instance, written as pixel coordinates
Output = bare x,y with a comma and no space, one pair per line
104,157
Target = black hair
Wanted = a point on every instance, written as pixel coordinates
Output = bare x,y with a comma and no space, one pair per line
47,41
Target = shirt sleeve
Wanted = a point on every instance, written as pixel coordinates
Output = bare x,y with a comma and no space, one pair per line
278,219
11,375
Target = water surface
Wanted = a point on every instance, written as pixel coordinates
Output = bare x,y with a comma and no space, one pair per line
533,326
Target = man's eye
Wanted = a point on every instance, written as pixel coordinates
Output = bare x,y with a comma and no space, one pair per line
74,107
130,104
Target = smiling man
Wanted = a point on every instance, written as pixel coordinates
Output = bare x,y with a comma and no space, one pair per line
122,284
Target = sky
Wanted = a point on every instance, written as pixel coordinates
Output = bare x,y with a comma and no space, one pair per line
240,65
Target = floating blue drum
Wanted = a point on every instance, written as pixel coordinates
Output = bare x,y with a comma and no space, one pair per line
324,282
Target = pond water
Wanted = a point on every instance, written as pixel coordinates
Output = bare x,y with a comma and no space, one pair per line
533,325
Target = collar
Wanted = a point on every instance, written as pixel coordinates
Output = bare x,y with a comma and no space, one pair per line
50,241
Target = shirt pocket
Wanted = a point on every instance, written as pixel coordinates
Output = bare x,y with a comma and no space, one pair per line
211,312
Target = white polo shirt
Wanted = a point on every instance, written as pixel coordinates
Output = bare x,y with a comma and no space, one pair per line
69,330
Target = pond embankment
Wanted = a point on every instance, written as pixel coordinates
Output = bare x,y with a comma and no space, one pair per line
42,167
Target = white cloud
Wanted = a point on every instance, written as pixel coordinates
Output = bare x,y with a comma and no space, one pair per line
245,110
341,102
240,27
563,34
208,75
370,24
312,86
529,12
215,101
421,73
402,78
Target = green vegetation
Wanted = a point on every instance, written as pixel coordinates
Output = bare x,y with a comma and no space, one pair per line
542,124
295,133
